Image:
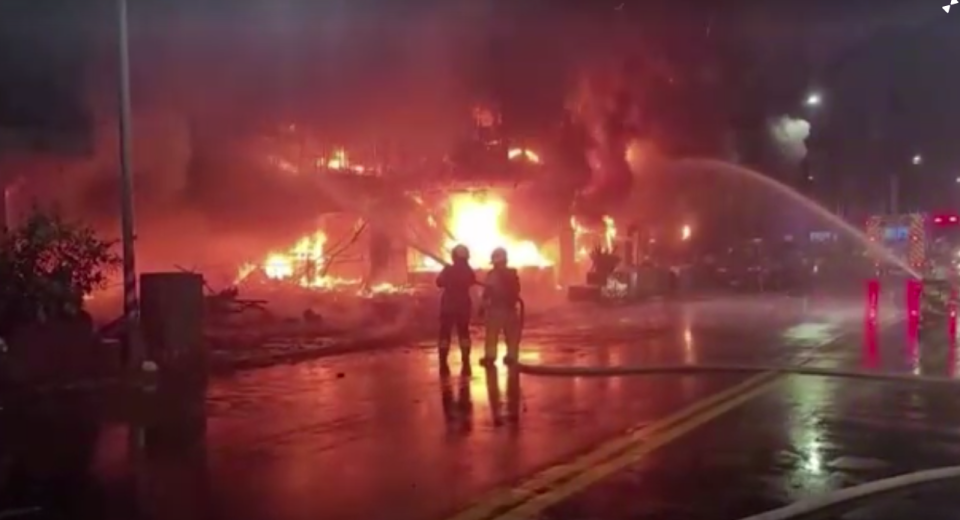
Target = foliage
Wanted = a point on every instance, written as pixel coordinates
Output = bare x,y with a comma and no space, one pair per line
47,265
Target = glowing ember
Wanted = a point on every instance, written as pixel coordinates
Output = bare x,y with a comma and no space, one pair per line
475,222
339,160
523,153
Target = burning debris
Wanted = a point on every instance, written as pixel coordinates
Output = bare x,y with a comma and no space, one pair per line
473,218
307,264
590,237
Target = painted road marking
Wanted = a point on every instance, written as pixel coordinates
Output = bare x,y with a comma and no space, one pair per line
503,501
605,469
592,474
558,482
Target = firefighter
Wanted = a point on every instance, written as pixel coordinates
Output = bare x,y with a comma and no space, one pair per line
500,309
456,280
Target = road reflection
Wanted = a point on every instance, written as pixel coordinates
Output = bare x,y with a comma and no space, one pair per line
168,454
47,456
457,400
503,412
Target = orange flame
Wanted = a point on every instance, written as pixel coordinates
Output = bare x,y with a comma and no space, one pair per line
304,262
476,222
586,239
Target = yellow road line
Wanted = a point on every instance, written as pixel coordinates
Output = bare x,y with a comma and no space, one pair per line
596,473
558,482
548,479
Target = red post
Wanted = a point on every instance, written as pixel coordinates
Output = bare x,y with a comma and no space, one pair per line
914,290
873,299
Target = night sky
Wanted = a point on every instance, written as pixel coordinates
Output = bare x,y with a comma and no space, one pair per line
885,70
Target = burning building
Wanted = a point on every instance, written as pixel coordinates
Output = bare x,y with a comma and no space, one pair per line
402,242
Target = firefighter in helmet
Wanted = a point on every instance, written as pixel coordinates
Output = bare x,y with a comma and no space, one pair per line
500,309
456,280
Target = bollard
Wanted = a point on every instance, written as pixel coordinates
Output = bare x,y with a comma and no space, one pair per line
873,299
931,321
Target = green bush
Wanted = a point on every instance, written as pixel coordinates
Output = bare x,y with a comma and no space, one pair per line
47,265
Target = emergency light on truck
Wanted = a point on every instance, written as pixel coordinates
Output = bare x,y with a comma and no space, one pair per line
946,220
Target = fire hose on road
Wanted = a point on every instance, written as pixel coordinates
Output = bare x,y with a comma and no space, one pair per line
800,368
666,370
931,310
846,499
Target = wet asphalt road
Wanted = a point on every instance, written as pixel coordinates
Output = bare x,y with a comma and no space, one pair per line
382,435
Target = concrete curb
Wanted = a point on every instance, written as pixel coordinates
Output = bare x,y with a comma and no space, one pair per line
224,367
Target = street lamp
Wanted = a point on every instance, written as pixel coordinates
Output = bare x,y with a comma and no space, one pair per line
917,160
132,346
685,233
814,99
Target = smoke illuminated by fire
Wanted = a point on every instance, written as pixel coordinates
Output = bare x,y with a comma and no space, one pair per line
476,222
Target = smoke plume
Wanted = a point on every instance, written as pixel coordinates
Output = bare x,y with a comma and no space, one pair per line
790,137
602,105
210,92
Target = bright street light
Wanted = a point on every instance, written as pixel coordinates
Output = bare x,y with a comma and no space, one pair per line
814,99
917,160
685,233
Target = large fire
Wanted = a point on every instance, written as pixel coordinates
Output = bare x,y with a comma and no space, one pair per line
473,220
476,222
304,263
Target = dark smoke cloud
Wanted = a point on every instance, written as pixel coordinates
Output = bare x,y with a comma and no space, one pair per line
208,89
211,85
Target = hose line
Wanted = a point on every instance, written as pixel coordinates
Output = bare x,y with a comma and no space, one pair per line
666,370
853,496
806,508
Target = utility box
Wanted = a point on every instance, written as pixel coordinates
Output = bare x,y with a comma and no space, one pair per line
171,319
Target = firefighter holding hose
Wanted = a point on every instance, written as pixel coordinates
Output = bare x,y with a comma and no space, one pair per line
501,309
456,280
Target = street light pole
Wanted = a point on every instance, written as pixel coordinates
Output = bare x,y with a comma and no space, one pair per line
132,347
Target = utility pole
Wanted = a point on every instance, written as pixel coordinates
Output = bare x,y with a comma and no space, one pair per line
133,348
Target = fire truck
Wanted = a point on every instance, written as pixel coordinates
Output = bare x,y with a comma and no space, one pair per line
929,243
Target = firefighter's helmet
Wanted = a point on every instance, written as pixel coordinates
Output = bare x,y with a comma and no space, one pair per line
498,256
461,252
